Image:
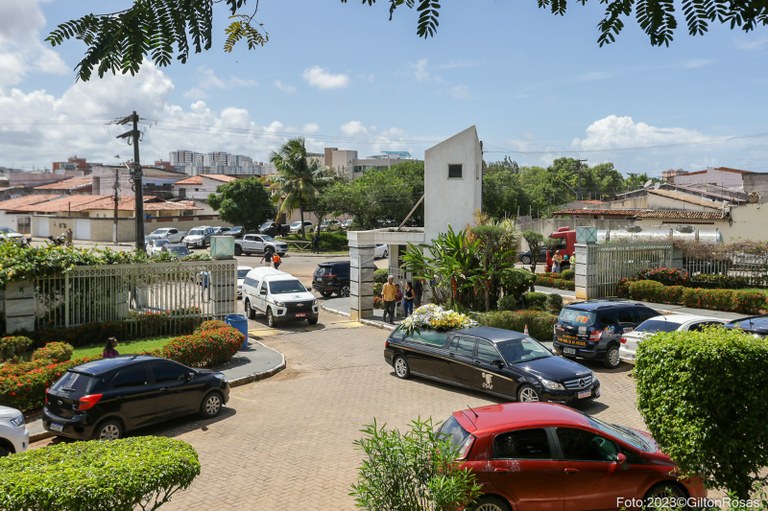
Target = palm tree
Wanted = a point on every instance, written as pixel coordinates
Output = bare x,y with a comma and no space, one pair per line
297,179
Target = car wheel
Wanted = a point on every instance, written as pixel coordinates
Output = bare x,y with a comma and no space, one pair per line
211,405
527,394
385,254
402,369
525,260
344,291
249,310
238,250
271,321
326,294
490,504
666,491
4,451
312,321
612,359
108,430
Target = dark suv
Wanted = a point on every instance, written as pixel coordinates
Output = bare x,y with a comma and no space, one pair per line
332,277
755,325
105,398
593,329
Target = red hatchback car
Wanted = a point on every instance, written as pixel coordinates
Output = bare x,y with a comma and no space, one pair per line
543,456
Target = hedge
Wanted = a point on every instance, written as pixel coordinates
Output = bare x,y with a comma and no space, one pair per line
23,385
54,351
380,275
535,300
540,324
121,475
728,300
14,347
547,280
702,396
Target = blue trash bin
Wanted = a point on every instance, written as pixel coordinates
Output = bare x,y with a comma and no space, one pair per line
241,323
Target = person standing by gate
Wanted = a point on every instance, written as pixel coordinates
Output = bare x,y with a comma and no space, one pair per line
389,297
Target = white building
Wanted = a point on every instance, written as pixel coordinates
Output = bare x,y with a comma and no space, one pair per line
347,163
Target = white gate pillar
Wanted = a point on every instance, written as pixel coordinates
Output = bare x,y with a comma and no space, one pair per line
361,249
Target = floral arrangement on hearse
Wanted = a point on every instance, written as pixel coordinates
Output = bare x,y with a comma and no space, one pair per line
434,317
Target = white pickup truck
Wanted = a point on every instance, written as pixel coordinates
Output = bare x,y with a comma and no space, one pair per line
257,243
171,234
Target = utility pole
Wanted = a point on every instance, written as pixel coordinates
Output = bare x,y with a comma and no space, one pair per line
117,199
136,176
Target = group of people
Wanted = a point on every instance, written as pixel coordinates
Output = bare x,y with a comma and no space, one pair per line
557,261
392,294
271,258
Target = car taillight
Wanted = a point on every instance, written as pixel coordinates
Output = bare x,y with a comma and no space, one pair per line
623,340
594,335
88,402
386,343
46,396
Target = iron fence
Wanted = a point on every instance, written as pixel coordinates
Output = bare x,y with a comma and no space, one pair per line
608,264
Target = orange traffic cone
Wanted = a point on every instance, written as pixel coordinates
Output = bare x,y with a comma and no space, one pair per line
525,330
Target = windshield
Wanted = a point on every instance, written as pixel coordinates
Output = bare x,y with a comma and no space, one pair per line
459,438
522,350
286,286
196,232
7,230
242,273
576,317
657,325
264,237
623,433
178,250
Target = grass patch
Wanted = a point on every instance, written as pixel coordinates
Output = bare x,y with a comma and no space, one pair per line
124,348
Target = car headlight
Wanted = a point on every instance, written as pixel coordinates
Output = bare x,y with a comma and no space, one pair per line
279,304
314,302
18,421
551,385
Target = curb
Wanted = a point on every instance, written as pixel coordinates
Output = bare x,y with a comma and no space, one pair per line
377,324
260,375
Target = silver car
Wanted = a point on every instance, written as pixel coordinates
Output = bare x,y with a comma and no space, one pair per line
14,435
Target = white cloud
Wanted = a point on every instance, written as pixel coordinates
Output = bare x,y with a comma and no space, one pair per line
208,80
325,80
420,70
697,63
751,42
614,132
353,128
311,128
460,92
281,86
594,76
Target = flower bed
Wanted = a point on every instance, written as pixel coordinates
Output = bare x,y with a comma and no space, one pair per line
434,317
549,280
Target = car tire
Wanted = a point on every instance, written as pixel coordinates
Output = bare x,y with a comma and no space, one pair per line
344,290
527,394
271,320
238,250
402,368
4,451
326,294
385,254
211,405
665,491
109,430
489,503
612,360
525,260
249,310
312,321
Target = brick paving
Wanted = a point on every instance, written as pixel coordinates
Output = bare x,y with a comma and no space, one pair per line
287,442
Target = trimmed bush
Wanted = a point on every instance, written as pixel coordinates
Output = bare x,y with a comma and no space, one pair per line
568,274
547,280
717,281
516,281
54,351
121,475
554,302
667,276
728,300
380,275
207,348
508,303
540,323
535,300
14,347
23,385
649,290
702,396
211,324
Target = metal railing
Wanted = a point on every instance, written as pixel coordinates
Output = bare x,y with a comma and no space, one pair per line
608,264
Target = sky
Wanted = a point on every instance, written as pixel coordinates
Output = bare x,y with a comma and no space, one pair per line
537,87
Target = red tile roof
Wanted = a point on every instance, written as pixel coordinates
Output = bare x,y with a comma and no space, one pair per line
198,179
73,183
645,213
64,204
23,204
687,197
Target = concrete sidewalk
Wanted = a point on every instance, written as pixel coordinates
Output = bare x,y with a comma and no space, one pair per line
255,363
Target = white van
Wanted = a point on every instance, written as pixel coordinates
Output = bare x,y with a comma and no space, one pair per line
278,295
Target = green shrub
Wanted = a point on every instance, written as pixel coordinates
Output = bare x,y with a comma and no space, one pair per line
728,300
568,274
540,323
121,475
702,396
622,287
535,300
377,287
554,302
717,281
415,470
333,241
667,276
547,280
380,275
54,351
516,281
208,348
508,303
23,385
211,324
146,325
649,290
14,347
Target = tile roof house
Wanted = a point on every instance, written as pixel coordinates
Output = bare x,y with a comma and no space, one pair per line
73,185
199,187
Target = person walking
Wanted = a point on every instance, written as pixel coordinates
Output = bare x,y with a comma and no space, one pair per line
316,243
110,348
418,290
557,260
408,298
266,259
389,297
70,237
276,261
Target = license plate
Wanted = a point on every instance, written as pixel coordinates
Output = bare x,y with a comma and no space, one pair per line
55,426
584,394
569,351
301,314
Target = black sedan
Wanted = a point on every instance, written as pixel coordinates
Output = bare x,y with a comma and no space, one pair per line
755,325
501,362
105,398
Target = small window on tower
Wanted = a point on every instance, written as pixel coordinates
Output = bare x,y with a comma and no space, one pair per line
454,171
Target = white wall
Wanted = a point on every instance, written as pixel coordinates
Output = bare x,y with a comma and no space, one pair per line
452,201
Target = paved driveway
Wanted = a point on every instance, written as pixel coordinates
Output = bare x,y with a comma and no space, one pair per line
287,442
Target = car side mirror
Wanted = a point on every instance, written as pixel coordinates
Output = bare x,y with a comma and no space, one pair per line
498,363
189,376
309,288
621,458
